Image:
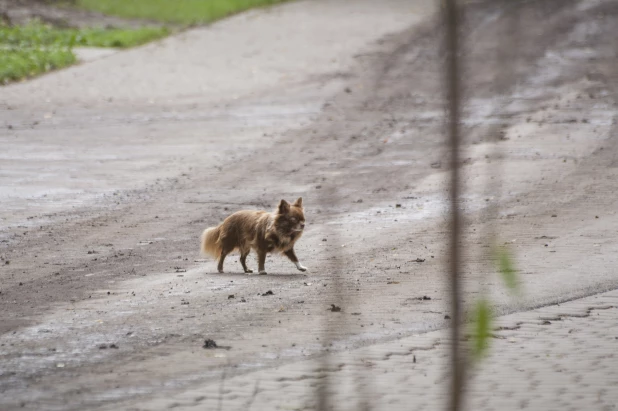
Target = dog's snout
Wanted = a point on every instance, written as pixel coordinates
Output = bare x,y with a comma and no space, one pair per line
302,225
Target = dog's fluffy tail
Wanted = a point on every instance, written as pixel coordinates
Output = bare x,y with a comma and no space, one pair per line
210,242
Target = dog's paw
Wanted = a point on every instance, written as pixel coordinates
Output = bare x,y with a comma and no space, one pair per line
248,271
301,267
220,271
263,273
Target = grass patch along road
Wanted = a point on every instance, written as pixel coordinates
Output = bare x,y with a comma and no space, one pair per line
121,38
173,11
29,50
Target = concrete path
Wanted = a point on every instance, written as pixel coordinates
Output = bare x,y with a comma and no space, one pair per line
561,357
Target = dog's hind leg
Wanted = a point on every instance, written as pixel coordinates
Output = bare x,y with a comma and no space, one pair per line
227,246
243,260
224,253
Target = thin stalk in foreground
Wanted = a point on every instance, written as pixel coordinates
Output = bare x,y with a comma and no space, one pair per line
453,100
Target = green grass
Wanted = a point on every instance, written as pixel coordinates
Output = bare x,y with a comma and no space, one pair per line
173,11
26,51
118,37
43,35
22,63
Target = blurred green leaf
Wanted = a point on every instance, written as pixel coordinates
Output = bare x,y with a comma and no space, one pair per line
481,323
506,268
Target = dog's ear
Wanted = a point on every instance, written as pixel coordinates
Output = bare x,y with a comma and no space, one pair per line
284,207
298,202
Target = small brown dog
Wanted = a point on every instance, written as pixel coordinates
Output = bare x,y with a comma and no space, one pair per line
259,230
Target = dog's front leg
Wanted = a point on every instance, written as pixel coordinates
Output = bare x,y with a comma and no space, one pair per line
292,256
261,261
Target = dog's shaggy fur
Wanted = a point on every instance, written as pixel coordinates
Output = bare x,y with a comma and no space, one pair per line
259,230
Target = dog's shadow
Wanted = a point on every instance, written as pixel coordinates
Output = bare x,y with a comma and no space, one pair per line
291,276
